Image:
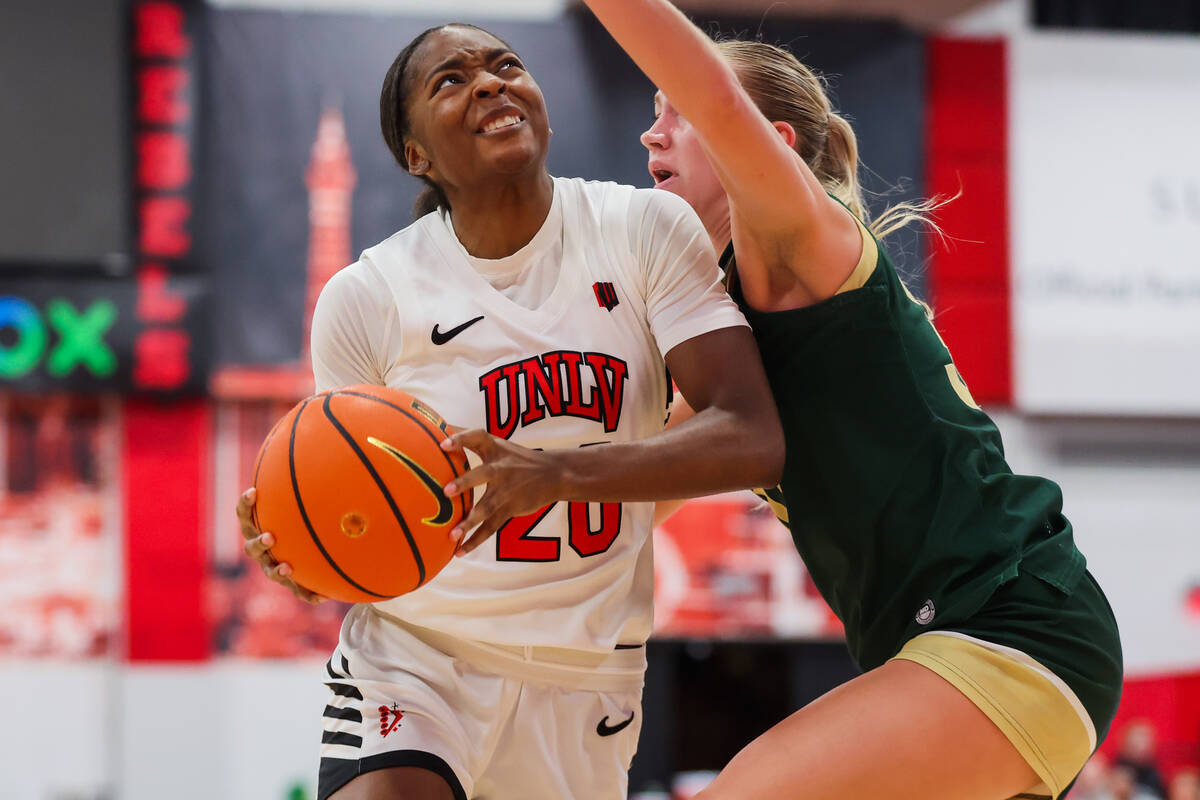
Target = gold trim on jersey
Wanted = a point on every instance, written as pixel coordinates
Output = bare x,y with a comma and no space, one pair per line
1032,706
866,262
780,509
959,385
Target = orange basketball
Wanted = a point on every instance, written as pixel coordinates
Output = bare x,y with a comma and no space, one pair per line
350,484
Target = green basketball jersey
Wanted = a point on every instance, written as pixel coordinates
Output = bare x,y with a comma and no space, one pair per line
895,487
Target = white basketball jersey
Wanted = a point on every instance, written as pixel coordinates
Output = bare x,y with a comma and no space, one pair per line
585,367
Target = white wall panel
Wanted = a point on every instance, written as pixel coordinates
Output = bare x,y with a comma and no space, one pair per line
237,730
1105,199
57,741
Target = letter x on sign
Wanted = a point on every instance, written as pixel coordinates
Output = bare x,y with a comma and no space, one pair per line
82,338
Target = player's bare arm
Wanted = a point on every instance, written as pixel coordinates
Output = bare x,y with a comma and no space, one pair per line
681,412
795,244
734,441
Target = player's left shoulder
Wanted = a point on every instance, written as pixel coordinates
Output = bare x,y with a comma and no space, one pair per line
598,198
661,201
636,200
623,198
633,207
661,216
597,210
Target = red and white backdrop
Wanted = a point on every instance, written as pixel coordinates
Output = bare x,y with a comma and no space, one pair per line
1106,211
1069,290
1065,289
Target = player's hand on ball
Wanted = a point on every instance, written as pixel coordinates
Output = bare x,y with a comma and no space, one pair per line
257,545
519,481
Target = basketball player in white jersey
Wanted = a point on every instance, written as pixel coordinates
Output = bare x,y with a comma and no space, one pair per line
544,311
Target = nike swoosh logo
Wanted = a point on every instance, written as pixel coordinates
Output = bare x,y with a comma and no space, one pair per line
604,729
445,507
437,337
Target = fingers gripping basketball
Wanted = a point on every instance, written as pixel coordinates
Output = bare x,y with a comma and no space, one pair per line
349,481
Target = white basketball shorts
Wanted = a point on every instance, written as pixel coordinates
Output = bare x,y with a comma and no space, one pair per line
496,722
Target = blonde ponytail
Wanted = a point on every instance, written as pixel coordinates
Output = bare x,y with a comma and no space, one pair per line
837,167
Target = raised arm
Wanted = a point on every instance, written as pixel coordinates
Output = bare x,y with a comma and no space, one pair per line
784,222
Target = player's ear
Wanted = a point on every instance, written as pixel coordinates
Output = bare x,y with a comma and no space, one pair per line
787,132
414,156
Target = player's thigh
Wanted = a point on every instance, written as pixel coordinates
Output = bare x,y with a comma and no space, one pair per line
566,743
396,783
406,730
899,731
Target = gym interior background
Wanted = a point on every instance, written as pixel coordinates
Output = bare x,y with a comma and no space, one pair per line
179,179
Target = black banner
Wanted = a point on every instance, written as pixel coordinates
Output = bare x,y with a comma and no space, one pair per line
85,334
170,330
94,327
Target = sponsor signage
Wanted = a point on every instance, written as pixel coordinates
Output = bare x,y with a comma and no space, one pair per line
85,335
168,348
79,327
1105,216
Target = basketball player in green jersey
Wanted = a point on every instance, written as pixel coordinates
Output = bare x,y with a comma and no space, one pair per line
993,664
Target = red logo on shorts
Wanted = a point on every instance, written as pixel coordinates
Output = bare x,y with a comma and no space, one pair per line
396,715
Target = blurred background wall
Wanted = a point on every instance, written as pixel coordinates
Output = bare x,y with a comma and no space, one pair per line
178,180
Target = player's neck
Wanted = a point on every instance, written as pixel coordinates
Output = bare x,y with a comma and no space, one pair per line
495,221
715,215
719,232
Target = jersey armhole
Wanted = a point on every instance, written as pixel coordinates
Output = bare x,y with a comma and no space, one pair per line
866,262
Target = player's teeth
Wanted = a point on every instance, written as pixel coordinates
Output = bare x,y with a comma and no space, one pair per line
501,123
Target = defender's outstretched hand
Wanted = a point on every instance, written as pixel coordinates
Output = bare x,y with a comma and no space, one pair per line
787,221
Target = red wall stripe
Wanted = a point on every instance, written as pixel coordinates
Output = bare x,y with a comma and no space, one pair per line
1171,704
165,461
967,150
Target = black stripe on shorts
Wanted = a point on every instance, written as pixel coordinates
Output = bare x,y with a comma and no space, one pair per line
344,690
337,772
340,737
345,673
351,714
345,668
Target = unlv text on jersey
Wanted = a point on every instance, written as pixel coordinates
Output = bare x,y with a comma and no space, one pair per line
559,383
